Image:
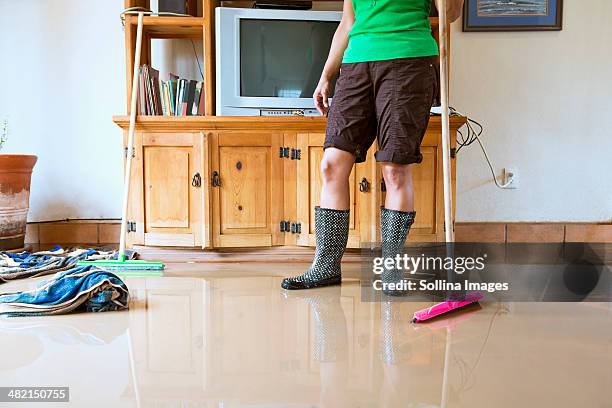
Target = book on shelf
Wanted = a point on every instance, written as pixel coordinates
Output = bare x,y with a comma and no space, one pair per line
172,97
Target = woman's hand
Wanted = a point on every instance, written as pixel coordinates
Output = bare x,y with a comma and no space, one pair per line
321,95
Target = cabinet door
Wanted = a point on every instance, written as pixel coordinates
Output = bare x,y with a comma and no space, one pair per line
309,192
248,199
424,176
166,202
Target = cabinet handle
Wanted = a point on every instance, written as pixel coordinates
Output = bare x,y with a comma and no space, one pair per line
216,180
239,165
196,181
364,186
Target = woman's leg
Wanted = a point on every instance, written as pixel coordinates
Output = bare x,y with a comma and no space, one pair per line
331,223
336,168
398,181
395,220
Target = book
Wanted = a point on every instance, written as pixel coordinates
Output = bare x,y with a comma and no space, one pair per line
173,97
202,103
142,106
191,88
156,92
173,82
183,97
148,91
196,99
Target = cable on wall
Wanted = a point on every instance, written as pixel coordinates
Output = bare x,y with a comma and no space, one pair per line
472,134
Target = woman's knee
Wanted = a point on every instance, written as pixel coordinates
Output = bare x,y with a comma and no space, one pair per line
336,168
397,176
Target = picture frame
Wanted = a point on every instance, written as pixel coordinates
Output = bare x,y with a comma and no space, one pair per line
512,15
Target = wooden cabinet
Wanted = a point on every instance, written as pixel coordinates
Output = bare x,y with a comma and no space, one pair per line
166,197
247,195
230,182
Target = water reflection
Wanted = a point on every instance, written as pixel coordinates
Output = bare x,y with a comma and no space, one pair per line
242,342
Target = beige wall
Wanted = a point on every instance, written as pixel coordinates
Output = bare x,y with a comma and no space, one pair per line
545,99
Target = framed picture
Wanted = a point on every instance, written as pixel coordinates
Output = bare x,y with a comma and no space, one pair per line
512,15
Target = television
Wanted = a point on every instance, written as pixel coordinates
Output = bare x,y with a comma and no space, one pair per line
269,61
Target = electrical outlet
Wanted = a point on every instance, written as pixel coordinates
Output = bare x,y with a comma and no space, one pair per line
510,178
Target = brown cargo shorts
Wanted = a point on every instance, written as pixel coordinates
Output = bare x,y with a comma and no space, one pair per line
389,99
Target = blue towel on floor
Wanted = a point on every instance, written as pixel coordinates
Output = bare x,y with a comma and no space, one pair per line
30,265
82,288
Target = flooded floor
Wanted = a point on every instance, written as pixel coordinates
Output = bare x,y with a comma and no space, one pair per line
218,339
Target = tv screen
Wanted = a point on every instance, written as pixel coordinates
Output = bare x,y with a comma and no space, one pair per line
283,58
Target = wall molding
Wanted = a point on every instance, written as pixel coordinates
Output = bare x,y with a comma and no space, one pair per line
533,232
107,232
73,232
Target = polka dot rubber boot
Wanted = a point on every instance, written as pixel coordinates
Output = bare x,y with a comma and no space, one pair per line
394,228
330,343
331,230
394,347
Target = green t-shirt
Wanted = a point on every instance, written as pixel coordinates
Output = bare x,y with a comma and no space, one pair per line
389,29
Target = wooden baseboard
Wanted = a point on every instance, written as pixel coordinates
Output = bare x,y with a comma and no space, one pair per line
73,232
533,232
107,232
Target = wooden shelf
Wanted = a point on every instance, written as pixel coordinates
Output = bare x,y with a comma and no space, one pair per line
197,123
171,27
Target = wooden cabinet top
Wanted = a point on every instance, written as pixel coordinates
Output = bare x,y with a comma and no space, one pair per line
191,123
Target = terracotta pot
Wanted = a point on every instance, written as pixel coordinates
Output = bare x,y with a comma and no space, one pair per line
15,176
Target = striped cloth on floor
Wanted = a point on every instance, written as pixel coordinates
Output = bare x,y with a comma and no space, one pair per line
81,288
30,265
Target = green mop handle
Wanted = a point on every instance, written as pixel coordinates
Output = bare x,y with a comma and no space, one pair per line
130,141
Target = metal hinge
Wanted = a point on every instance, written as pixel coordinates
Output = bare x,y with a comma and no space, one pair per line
296,154
292,227
131,226
284,226
453,152
283,152
296,228
125,152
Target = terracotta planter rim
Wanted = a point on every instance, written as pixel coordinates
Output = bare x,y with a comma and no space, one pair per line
18,155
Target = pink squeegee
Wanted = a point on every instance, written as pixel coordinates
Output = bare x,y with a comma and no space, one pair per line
445,307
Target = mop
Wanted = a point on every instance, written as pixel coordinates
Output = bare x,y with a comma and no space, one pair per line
122,263
448,306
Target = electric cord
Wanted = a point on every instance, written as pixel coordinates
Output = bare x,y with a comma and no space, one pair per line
195,53
473,132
